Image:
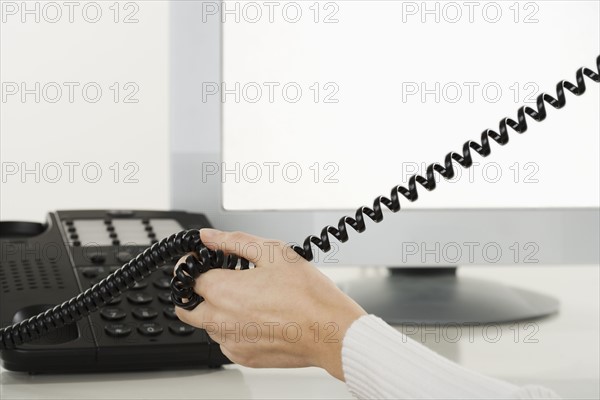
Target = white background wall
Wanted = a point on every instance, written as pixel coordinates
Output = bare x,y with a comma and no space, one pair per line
127,45
478,62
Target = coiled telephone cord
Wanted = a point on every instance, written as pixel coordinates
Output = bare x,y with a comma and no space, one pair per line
184,242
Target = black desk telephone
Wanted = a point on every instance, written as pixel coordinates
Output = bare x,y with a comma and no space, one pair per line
135,326
42,265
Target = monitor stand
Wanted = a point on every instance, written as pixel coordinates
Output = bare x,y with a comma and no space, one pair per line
437,296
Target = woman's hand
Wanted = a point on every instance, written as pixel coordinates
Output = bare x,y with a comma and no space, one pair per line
283,313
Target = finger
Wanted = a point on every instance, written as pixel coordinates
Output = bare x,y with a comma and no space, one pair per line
198,317
214,284
258,250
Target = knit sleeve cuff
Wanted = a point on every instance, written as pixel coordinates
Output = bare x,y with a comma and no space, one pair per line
381,362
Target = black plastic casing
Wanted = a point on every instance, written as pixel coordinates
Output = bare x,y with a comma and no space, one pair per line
40,267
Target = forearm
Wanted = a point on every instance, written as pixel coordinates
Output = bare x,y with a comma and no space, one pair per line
381,362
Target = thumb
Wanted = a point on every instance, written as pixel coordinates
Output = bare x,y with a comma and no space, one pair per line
257,250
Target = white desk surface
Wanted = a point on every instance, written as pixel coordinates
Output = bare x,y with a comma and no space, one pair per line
565,358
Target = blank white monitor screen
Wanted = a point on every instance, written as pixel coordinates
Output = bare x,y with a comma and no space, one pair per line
329,104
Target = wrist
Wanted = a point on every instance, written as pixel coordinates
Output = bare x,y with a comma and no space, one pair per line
329,350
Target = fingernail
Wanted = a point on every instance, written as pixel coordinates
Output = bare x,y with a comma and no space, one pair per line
208,234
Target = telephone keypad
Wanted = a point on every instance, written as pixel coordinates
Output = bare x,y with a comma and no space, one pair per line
140,314
148,310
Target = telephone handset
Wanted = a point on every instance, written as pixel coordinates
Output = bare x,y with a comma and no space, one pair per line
33,325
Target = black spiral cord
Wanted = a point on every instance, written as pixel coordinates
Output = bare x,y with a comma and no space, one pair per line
184,242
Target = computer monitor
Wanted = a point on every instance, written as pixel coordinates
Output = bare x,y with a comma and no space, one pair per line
358,95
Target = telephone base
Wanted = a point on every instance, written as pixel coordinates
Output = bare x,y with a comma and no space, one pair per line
432,296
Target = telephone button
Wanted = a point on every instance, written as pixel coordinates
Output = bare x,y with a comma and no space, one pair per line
139,298
115,301
170,312
112,314
139,285
150,329
144,313
163,283
124,256
165,297
92,272
96,258
181,329
117,330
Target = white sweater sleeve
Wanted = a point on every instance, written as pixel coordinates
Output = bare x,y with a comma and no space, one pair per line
381,362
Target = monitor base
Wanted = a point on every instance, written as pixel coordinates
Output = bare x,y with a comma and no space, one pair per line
437,296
